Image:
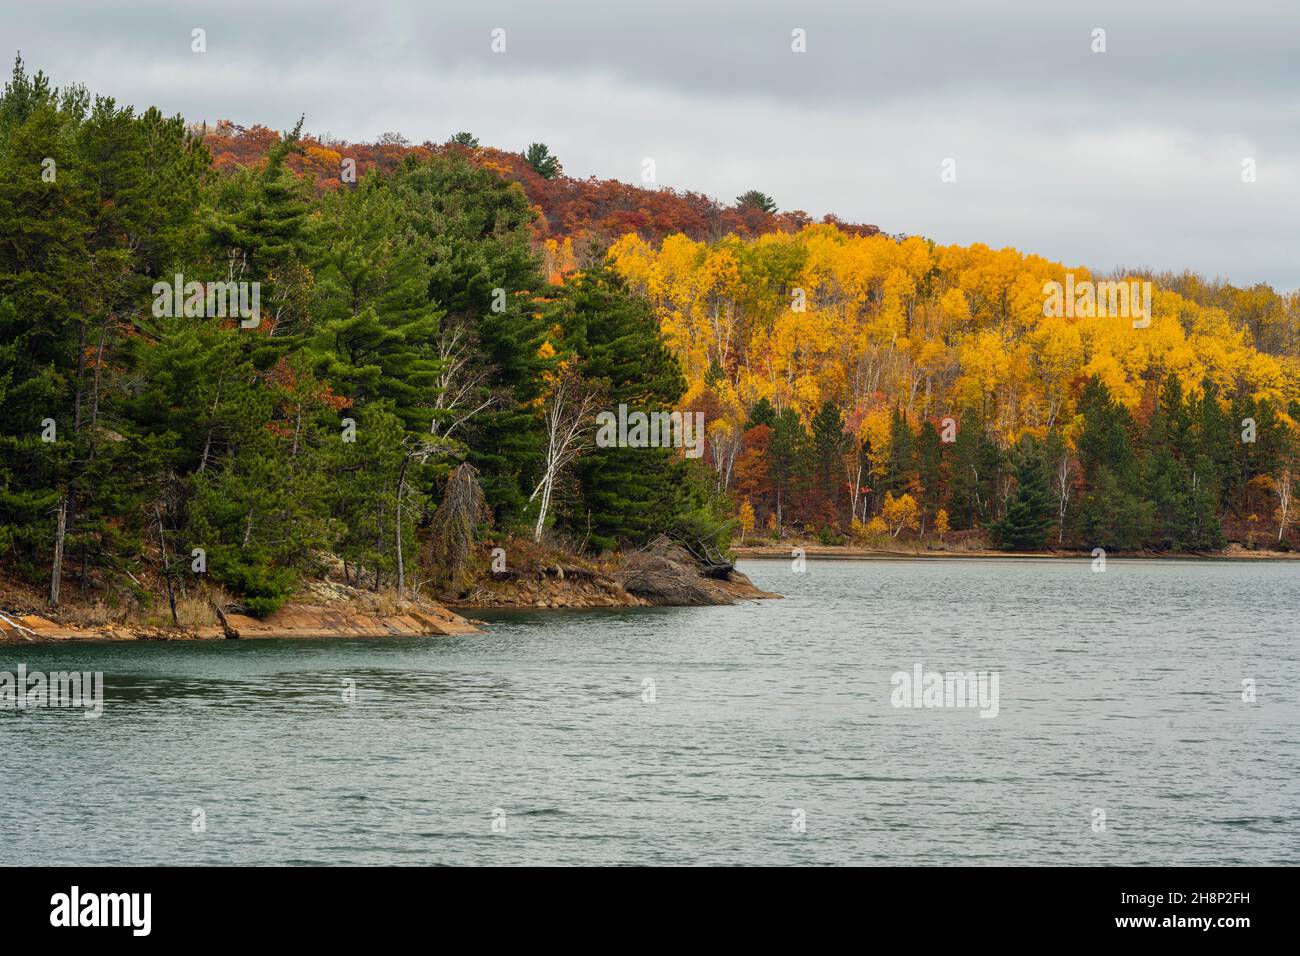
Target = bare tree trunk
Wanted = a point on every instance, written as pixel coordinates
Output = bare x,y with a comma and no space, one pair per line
56,574
1063,496
1283,487
566,415
167,565
857,483
81,372
379,541
401,564
541,512
212,424
297,431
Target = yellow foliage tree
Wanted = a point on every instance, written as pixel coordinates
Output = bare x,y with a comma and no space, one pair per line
900,513
746,517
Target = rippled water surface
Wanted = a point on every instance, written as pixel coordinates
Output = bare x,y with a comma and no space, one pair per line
1119,691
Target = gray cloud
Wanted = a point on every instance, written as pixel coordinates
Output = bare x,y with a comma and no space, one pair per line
1131,157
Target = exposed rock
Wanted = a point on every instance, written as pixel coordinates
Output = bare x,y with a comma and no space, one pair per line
300,620
292,620
665,573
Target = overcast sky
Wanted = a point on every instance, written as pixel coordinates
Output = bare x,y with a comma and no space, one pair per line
1132,157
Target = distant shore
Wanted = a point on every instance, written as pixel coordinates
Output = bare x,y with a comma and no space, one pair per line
857,553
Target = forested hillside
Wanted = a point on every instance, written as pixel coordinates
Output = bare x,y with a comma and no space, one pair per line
587,214
405,328
901,388
252,366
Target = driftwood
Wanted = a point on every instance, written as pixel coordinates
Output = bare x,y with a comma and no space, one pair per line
226,628
18,628
560,571
664,572
713,563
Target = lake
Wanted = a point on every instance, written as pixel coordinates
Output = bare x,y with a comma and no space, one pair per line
765,733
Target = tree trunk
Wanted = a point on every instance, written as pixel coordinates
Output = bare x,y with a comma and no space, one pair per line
167,565
401,565
379,541
546,501
1284,504
56,574
212,423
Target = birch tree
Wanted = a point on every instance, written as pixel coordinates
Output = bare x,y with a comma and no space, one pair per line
568,418
1282,487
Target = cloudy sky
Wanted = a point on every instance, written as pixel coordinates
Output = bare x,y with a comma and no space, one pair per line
1131,157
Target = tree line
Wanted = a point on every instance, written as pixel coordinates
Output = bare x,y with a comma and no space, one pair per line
406,330
828,364
1178,480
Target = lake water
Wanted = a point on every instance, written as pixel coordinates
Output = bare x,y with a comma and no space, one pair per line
761,733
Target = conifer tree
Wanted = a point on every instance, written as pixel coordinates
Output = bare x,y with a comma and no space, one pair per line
1028,517
626,494
790,463
829,443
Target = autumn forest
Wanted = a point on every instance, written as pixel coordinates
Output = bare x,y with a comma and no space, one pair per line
439,324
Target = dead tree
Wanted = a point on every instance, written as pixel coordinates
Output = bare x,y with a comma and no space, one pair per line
60,532
451,530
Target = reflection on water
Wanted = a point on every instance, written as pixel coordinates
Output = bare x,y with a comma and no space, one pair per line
697,735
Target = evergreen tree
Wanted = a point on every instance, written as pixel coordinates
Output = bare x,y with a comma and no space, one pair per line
1112,517
761,414
901,473
627,494
538,156
1178,480
1114,512
1028,518
757,200
1215,449
829,444
789,462
257,231
483,278
976,470
931,468
377,326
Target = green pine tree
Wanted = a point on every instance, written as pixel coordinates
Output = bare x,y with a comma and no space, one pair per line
1028,518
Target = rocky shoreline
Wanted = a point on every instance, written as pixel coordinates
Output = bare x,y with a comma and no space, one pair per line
291,621
663,574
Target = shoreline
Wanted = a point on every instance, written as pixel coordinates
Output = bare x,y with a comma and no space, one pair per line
292,622
850,553
662,575
324,611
